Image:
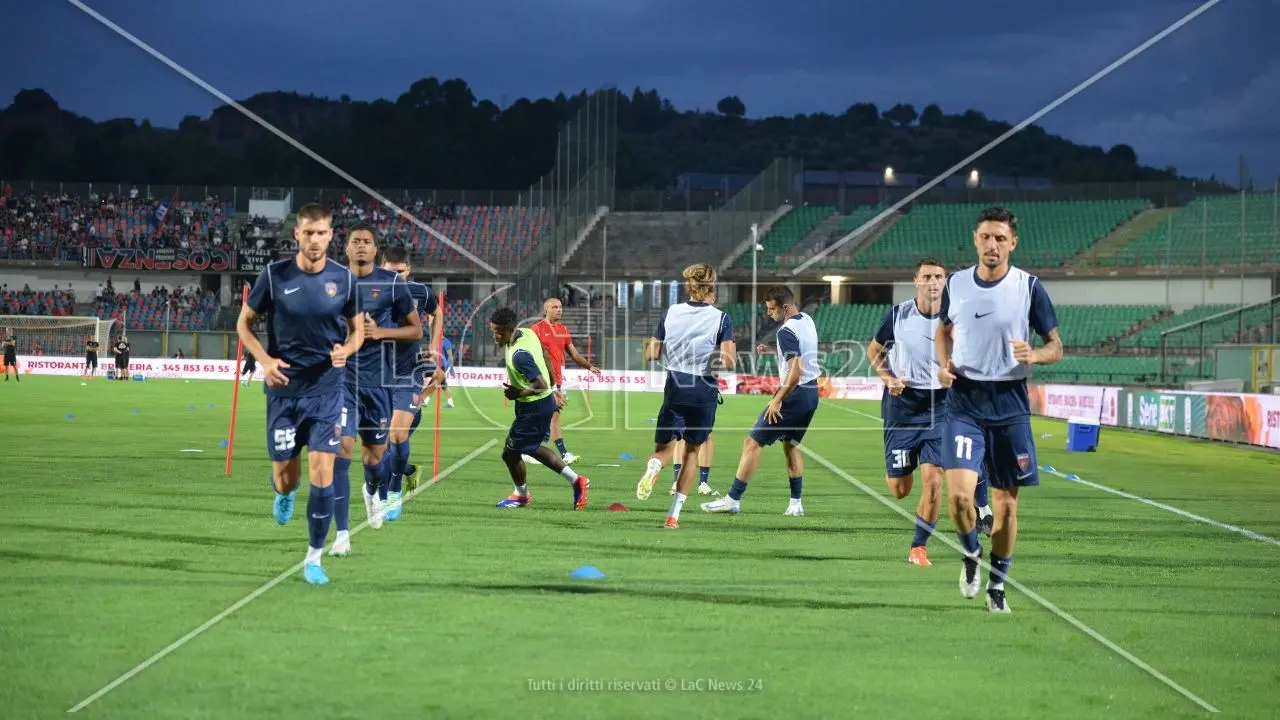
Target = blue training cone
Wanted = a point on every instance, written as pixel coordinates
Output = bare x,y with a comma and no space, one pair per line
136,411
191,407
626,456
587,572
212,405
222,444
1073,476
1049,469
69,416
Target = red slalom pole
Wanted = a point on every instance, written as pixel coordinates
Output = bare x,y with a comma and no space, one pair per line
589,378
440,359
235,389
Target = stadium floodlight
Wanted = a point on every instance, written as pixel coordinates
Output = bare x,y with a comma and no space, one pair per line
53,335
888,176
974,178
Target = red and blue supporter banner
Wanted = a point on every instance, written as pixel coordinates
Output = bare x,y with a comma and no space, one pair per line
168,259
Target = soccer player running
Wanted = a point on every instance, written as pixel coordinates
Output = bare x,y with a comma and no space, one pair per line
250,366
10,355
387,312
91,346
689,339
121,350
789,412
312,328
557,340
985,357
912,404
536,401
410,383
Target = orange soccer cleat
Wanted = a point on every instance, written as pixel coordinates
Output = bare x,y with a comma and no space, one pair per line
672,523
919,556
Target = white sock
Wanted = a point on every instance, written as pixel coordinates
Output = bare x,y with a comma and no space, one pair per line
569,474
314,555
343,536
676,504
984,511
522,490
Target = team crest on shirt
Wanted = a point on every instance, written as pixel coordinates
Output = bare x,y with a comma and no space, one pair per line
1024,462
331,289
375,293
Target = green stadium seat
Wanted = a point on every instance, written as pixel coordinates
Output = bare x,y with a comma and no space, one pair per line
786,233
1209,230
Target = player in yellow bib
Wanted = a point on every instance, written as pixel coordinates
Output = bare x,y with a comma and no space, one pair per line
529,386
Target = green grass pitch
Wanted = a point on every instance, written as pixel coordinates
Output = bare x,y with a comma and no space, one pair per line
116,543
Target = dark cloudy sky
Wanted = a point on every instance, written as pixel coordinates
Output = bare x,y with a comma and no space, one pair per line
1206,93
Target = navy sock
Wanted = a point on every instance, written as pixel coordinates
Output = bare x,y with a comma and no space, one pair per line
560,446
399,463
371,479
969,541
797,485
391,457
341,493
704,475
319,514
736,490
923,531
980,492
675,477
999,571
382,475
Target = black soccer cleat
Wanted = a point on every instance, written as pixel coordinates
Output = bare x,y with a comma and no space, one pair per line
986,523
996,602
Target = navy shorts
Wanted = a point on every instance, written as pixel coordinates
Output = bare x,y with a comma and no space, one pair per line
907,447
312,421
405,400
532,425
797,412
1008,452
680,421
366,412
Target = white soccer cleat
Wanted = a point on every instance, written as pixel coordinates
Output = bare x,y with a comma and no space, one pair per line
570,458
674,485
725,504
372,508
644,488
970,583
341,546
794,509
996,601
705,489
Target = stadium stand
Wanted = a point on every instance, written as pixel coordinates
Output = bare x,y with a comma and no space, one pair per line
848,322
786,233
36,302
646,243
177,311
1086,326
1149,336
1209,230
1054,232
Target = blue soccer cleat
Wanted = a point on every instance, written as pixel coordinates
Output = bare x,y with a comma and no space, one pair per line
282,507
391,508
314,574
515,501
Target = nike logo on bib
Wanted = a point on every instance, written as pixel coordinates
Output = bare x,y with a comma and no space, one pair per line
979,316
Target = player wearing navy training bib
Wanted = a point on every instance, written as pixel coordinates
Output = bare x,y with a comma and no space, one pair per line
387,314
312,328
690,338
985,356
10,355
414,371
912,405
790,411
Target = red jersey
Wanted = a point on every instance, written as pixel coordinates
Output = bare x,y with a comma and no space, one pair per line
555,340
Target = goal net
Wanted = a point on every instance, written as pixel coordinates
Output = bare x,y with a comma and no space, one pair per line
45,335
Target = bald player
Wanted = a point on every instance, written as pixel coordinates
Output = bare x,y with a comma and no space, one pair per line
557,340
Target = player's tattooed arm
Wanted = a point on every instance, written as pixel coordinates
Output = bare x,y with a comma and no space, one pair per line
1047,354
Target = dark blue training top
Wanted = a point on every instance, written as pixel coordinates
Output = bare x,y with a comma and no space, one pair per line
384,296
425,302
306,315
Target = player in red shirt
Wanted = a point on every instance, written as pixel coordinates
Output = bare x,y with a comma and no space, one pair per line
557,340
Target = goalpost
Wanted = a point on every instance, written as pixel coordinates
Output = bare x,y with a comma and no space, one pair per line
48,335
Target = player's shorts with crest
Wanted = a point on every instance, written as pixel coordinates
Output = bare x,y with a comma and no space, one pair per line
691,422
907,447
315,422
532,425
366,412
1009,451
797,409
406,400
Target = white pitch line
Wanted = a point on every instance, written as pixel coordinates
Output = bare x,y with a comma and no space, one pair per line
143,46
1106,642
291,572
1168,508
1009,133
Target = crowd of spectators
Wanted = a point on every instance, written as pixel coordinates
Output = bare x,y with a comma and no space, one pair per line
58,302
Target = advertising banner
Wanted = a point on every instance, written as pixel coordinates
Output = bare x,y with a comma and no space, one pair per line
253,259
153,368
168,259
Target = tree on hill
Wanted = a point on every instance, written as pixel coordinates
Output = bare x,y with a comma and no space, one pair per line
438,134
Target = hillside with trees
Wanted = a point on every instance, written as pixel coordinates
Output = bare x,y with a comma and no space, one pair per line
438,134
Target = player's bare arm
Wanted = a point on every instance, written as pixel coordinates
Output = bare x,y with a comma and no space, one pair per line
270,366
581,361
942,346
729,355
355,338
877,358
1047,354
437,331
653,350
773,412
561,400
